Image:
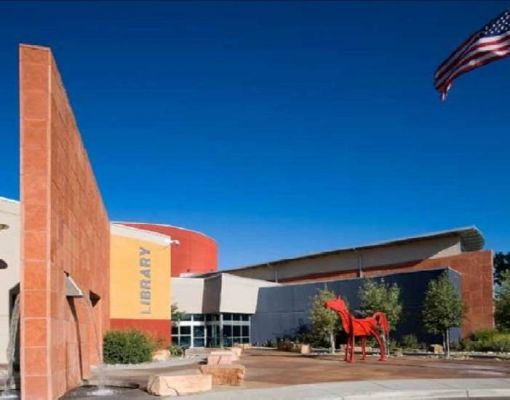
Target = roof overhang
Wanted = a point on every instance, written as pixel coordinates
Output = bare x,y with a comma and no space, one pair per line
471,239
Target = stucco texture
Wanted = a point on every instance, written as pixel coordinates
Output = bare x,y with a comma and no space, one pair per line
65,230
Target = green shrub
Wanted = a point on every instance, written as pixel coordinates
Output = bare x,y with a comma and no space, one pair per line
488,340
127,347
393,345
175,350
410,342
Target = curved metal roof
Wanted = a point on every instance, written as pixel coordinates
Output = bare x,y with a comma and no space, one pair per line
471,239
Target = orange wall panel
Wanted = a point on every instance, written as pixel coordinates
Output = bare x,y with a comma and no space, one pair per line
159,329
140,279
65,230
196,253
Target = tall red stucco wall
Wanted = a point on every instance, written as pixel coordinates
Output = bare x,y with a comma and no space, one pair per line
65,229
196,252
475,269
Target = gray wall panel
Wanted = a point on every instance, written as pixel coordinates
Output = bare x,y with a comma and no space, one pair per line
282,310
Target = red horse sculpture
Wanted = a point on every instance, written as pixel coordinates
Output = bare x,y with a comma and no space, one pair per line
362,327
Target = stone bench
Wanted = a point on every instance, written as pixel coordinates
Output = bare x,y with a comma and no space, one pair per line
232,375
177,385
221,357
198,352
237,351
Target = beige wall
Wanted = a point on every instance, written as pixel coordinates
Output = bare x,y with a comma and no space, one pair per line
350,260
239,295
187,294
10,253
221,293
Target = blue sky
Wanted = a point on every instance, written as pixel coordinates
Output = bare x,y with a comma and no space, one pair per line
278,128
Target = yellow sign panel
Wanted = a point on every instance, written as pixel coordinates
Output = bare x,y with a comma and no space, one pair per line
139,278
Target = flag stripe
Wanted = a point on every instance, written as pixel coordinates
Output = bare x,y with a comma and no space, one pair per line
489,44
457,53
494,41
481,61
477,53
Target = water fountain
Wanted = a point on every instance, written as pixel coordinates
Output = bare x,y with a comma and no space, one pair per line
101,389
10,391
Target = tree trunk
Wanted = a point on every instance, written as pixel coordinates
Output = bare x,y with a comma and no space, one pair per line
447,335
332,342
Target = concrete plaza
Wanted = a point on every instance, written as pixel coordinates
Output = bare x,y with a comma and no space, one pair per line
281,375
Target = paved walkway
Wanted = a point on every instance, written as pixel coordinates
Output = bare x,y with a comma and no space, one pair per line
273,375
373,389
484,388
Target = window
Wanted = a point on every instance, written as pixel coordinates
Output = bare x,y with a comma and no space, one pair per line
185,341
199,330
236,328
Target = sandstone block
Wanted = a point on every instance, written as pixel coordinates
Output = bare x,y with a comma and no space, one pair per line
436,348
237,351
197,352
221,358
304,349
232,375
177,385
161,355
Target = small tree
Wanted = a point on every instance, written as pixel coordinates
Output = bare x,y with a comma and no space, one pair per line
502,312
501,264
176,314
442,308
379,296
325,322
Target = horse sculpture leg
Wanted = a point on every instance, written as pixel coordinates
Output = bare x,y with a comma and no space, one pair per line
352,358
382,348
363,349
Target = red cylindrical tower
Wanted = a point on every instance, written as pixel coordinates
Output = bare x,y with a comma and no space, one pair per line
195,253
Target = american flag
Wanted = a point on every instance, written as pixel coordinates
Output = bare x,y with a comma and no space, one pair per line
489,44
